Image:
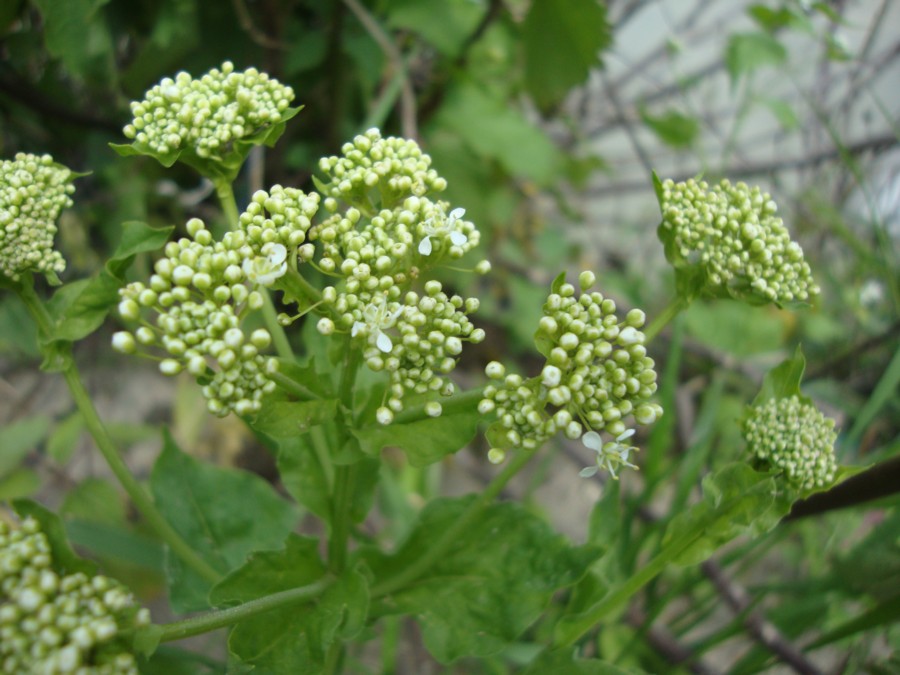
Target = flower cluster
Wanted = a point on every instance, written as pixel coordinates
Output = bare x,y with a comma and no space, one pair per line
280,216
794,437
388,169
596,375
731,236
206,114
33,191
201,291
59,623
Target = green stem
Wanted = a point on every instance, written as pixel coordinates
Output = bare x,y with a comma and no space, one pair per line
293,387
225,193
452,535
345,475
298,288
572,631
663,319
204,623
107,448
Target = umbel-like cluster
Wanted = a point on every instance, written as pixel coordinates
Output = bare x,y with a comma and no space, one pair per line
597,376
792,436
200,292
206,114
33,191
730,234
59,623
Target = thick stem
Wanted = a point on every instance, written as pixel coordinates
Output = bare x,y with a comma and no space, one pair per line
210,621
662,320
107,448
453,534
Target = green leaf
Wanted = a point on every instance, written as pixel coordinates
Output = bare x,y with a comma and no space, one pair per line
736,500
297,563
224,513
747,52
79,308
94,500
494,583
493,129
562,40
18,333
305,475
65,561
737,328
21,482
76,32
672,127
20,438
445,24
783,381
116,543
292,639
424,441
286,419
782,111
64,438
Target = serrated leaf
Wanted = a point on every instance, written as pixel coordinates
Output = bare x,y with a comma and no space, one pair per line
748,52
445,24
76,33
225,514
65,560
672,127
493,583
424,441
562,40
18,439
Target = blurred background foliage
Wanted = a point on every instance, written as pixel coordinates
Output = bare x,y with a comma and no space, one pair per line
546,117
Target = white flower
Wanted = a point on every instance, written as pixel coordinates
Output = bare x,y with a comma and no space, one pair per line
609,455
264,270
378,318
448,228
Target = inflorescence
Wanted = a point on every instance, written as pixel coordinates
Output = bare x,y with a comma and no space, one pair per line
730,234
33,191
206,114
792,436
52,622
200,292
597,375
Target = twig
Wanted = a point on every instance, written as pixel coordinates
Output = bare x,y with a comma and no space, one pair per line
258,36
668,646
407,96
764,632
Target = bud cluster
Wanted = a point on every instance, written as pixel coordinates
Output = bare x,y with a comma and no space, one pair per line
794,437
374,170
55,623
200,291
732,234
33,191
207,114
280,216
596,375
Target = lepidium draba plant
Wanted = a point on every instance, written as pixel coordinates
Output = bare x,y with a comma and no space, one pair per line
320,319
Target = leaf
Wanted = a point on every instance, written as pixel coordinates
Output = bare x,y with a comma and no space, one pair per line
79,308
292,639
566,662
783,112
20,438
64,438
562,40
304,475
225,514
737,328
783,381
18,483
672,127
736,500
747,52
18,333
65,561
96,500
445,24
286,419
76,32
494,583
493,129
424,441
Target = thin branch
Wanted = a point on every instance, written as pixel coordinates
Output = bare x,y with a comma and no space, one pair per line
258,36
629,130
391,51
668,646
763,631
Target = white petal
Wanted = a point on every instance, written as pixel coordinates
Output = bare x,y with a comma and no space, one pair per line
592,440
357,326
456,214
383,342
588,472
277,254
425,246
458,238
628,433
249,269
